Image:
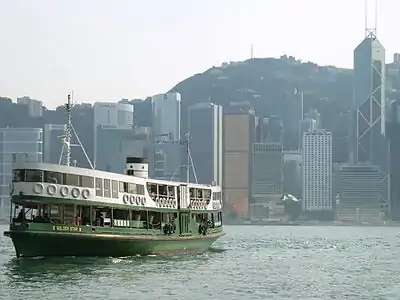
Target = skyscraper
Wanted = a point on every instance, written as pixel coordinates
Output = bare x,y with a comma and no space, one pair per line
359,193
17,144
205,130
317,171
167,115
238,135
52,144
267,181
112,115
165,162
370,144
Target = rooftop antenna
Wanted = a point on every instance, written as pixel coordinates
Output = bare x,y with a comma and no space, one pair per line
65,155
371,32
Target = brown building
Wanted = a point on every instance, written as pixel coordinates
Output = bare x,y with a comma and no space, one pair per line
239,134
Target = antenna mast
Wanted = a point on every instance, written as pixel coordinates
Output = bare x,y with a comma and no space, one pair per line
371,32
189,161
68,132
67,137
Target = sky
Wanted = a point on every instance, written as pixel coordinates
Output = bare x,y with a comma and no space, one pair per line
106,50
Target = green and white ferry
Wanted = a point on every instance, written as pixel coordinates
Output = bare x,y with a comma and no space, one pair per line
63,210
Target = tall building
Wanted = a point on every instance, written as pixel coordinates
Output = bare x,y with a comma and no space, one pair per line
393,133
317,171
52,144
238,137
35,107
17,144
142,112
267,181
166,115
359,193
205,131
112,115
306,125
292,173
166,133
115,144
370,143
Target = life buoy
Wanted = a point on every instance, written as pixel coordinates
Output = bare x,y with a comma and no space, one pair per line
125,198
143,201
51,189
137,200
75,192
85,194
64,191
37,188
132,199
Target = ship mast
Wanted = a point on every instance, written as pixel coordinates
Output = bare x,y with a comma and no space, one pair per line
68,131
189,162
65,156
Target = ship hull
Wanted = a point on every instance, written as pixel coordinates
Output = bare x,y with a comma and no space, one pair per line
35,244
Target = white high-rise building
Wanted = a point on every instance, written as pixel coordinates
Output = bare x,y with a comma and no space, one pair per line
166,130
117,115
167,115
111,115
317,171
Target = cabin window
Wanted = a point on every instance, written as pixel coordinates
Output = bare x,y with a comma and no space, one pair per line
114,189
34,176
107,189
131,188
171,191
120,214
140,189
87,181
72,179
18,175
53,177
122,187
99,187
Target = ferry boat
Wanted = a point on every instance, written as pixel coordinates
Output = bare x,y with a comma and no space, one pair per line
63,210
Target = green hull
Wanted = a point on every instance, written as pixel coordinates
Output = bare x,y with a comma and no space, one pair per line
33,244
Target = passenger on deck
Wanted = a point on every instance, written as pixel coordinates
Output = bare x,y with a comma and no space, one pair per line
21,216
78,220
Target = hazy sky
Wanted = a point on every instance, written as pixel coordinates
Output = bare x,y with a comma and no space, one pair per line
106,50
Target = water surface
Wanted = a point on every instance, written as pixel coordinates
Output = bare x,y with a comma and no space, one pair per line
258,263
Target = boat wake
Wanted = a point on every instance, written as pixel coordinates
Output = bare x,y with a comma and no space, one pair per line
216,250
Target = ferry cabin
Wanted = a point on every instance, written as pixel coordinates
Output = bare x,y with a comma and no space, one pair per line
71,199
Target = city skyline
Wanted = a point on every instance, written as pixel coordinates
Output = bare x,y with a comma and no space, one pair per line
104,53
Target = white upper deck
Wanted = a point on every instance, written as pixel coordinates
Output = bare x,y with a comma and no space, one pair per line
107,175
113,188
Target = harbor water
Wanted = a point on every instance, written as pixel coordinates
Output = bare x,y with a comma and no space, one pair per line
251,262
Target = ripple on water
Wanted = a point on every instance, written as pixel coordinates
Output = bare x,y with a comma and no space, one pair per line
251,262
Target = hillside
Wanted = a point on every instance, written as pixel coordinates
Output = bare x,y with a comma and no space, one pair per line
269,85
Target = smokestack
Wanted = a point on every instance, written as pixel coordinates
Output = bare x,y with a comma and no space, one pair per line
137,166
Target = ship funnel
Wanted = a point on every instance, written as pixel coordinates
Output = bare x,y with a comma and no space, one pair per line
137,166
